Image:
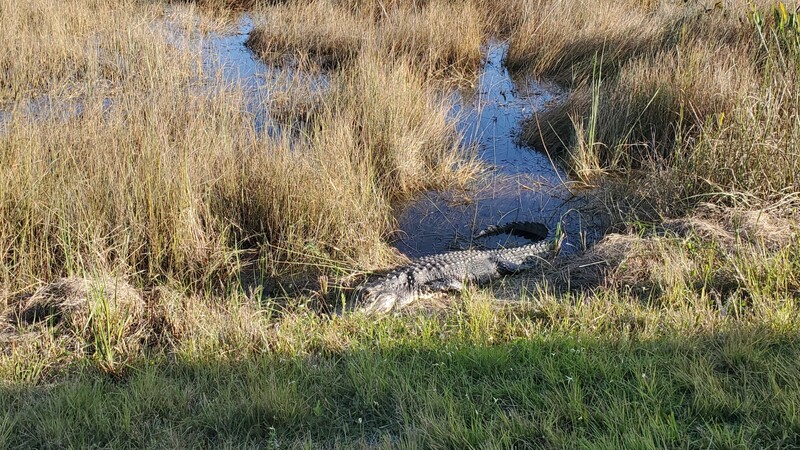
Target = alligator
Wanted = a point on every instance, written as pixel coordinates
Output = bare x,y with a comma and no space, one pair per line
451,270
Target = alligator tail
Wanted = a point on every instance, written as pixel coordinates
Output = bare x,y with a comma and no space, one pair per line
534,231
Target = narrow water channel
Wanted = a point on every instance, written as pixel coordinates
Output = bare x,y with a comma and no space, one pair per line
523,184
227,58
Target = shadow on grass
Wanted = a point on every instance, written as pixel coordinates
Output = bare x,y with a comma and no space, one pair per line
735,389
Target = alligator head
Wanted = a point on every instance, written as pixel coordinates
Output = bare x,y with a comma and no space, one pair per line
395,291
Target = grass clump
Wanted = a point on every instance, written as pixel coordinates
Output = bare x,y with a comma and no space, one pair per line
333,33
620,31
705,79
718,254
374,140
103,315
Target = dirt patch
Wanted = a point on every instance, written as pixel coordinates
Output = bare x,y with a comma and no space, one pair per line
104,312
635,259
731,227
594,267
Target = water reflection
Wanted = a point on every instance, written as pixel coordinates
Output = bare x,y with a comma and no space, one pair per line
228,55
524,184
227,58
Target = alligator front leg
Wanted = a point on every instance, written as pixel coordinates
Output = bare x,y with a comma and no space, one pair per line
444,285
383,295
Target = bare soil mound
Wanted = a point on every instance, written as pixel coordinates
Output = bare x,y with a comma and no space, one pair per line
637,259
103,312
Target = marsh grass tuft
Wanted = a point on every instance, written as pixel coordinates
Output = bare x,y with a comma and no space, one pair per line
705,93
333,33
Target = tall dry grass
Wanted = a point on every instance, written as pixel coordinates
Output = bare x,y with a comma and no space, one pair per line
153,172
440,38
371,142
68,48
700,89
559,40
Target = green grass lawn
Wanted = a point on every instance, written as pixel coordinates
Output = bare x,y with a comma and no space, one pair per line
533,380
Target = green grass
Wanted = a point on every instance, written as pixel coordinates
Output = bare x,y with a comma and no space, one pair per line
401,384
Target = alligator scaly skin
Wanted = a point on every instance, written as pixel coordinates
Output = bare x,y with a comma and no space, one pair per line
451,270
